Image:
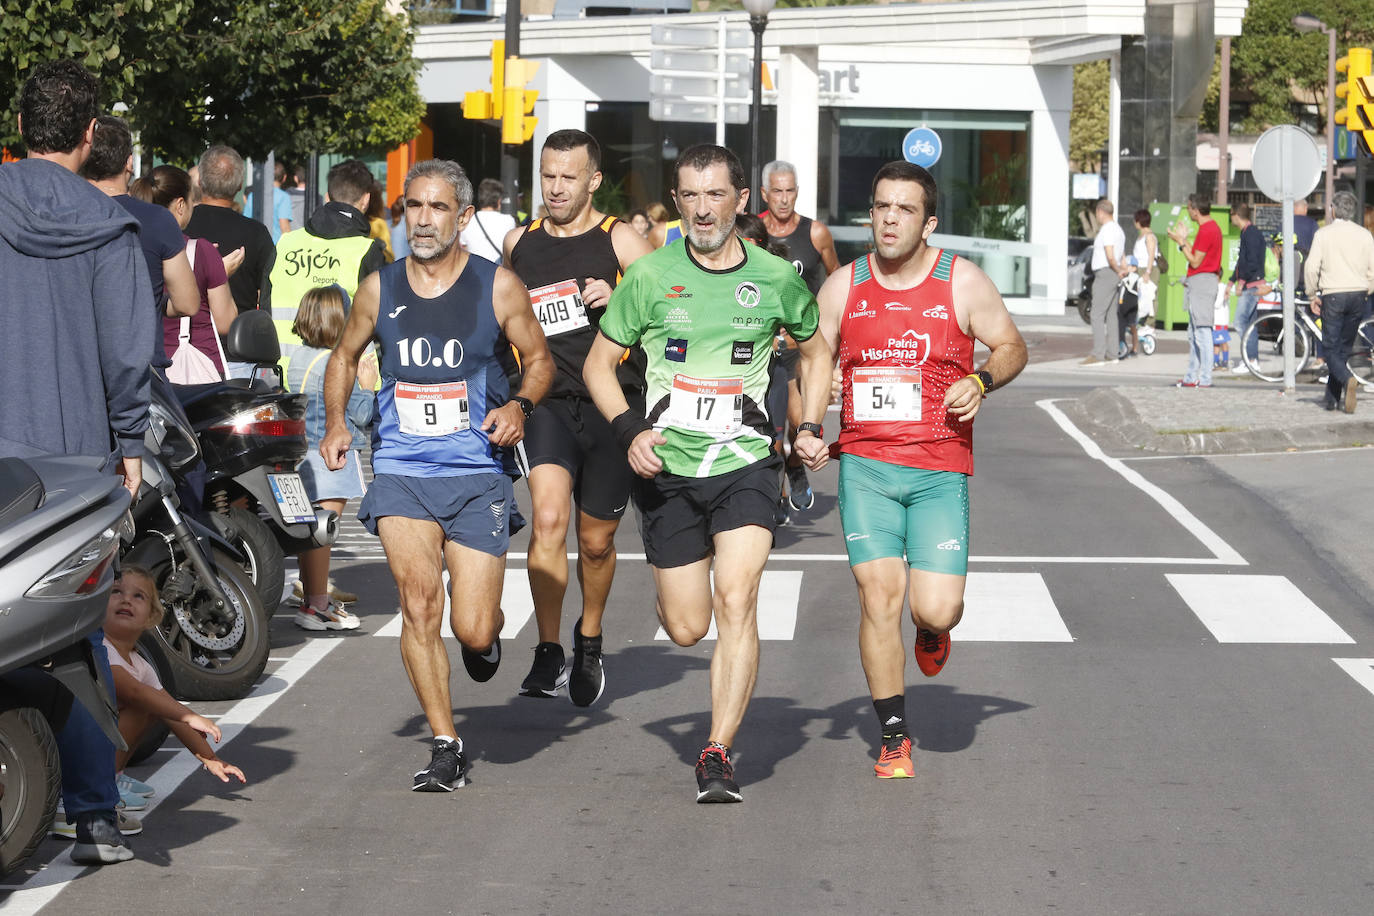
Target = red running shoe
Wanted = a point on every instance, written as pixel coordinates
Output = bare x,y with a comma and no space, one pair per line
932,651
895,760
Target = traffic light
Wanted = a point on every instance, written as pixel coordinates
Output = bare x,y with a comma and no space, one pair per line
1363,112
516,124
481,105
1354,66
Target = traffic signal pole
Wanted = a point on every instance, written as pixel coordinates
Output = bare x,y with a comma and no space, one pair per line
510,155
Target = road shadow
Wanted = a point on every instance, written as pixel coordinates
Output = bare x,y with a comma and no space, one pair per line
520,727
941,720
803,526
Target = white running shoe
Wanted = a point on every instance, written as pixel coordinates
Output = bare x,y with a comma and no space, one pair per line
333,617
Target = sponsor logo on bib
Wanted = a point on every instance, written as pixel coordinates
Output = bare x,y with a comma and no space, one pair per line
676,350
741,352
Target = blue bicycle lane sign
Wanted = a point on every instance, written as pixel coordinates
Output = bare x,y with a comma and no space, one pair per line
922,147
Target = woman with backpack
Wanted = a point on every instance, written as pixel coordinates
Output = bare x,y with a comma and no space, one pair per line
193,344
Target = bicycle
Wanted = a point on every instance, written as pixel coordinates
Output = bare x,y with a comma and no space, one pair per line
1361,361
1265,333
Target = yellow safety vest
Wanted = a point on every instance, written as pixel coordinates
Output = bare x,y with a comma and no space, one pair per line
305,261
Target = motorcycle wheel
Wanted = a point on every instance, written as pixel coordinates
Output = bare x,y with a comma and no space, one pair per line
265,564
210,661
30,780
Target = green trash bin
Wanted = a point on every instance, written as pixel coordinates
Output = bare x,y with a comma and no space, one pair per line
1171,312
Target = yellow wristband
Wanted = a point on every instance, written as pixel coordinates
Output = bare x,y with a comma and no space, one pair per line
982,389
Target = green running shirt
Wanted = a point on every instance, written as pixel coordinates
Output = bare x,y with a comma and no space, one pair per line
708,337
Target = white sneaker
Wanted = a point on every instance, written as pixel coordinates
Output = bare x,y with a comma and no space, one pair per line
1240,368
333,617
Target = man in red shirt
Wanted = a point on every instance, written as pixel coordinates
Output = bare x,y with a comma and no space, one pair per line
1204,276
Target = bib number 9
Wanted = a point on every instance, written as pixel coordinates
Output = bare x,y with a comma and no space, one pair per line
432,410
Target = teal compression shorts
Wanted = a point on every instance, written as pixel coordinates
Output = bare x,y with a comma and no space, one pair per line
888,510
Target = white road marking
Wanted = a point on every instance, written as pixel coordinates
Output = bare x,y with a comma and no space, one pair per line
1009,607
43,887
779,594
1361,669
1256,609
1223,551
515,601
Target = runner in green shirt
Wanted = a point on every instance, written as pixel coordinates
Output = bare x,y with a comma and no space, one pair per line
705,313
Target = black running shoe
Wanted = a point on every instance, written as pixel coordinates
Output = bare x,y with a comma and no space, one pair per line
799,492
480,666
588,676
781,516
716,778
547,674
98,840
447,768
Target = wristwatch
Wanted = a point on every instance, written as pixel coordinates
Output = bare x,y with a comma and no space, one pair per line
985,377
526,405
814,429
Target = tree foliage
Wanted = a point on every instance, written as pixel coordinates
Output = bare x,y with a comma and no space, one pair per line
1272,63
287,75
1089,119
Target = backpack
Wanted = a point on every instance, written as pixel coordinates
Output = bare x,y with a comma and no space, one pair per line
189,365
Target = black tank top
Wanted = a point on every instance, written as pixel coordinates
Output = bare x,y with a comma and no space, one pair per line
554,270
803,255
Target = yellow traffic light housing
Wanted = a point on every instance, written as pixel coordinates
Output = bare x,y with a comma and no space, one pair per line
1355,66
481,105
518,104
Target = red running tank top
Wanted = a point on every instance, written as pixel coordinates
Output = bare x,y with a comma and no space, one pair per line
900,350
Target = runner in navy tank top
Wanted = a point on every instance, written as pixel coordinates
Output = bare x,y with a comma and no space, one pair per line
442,322
570,261
904,320
811,250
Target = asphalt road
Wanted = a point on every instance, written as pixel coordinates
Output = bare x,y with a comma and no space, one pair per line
1161,700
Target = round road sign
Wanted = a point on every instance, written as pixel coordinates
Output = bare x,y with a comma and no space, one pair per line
922,147
1286,163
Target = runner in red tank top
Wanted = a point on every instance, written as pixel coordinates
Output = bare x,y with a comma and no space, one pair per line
903,321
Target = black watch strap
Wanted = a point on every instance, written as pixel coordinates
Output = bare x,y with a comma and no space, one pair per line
814,429
526,405
985,377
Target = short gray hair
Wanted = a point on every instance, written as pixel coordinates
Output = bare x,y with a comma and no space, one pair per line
777,166
447,170
221,172
1344,205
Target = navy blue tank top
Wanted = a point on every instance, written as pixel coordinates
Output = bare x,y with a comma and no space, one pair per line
441,374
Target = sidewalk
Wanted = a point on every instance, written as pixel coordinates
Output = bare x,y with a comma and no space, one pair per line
1139,408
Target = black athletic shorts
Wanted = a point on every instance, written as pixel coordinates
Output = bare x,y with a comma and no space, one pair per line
678,516
572,433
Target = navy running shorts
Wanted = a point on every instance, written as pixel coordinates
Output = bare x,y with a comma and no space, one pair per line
472,509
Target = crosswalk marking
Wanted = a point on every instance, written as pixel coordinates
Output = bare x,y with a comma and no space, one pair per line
1361,669
516,602
1256,609
779,594
1009,607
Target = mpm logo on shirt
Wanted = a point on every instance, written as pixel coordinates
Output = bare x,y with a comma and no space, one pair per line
676,350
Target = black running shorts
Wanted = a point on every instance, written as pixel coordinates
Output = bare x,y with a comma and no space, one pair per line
571,433
679,516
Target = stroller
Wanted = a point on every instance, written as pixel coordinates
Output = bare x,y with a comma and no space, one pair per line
1128,316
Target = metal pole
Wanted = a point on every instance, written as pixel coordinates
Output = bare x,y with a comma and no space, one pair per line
312,184
720,82
758,24
262,190
1114,135
1289,319
1224,125
1330,126
510,155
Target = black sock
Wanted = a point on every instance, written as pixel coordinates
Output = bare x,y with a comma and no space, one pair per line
892,715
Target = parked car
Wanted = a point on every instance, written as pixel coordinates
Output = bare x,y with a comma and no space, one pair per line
1078,293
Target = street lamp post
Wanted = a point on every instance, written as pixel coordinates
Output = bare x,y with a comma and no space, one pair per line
758,21
1306,22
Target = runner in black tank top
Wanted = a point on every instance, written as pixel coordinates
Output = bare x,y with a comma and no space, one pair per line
812,252
570,262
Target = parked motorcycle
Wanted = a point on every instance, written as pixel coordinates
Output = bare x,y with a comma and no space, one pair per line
61,524
212,643
252,437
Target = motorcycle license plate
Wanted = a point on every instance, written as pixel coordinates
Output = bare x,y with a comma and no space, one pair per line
291,498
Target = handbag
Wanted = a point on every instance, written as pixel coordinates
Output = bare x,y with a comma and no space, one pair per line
189,365
1161,264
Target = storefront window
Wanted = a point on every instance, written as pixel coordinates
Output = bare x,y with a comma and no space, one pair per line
982,176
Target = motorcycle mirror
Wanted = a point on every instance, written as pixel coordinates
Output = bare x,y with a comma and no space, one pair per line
252,338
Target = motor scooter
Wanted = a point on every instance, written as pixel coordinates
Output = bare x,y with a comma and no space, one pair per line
62,521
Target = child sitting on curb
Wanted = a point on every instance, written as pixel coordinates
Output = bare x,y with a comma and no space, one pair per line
133,608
